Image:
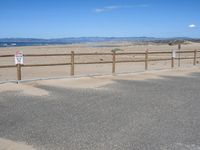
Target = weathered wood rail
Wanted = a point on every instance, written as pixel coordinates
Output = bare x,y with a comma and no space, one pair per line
146,59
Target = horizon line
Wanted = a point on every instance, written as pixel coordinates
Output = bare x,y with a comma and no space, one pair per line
100,37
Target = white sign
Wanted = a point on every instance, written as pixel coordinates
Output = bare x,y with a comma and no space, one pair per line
174,53
19,58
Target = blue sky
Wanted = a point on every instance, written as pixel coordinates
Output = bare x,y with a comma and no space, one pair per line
102,18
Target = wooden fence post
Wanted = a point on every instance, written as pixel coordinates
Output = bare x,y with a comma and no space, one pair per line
195,57
72,63
19,75
114,62
146,60
179,56
172,63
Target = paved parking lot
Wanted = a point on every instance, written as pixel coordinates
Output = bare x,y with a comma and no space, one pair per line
153,114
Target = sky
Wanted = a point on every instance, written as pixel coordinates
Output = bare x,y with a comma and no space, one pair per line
99,18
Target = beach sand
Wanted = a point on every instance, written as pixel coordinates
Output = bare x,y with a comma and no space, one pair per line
63,71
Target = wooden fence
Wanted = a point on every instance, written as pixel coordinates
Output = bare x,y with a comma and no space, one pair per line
114,60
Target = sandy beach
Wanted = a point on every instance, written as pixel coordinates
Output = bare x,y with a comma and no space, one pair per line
59,71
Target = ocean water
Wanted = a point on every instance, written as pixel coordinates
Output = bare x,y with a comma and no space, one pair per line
17,44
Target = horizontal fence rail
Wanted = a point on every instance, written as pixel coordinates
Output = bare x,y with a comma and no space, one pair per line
146,58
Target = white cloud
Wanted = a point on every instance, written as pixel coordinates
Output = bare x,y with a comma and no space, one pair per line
192,26
105,9
115,7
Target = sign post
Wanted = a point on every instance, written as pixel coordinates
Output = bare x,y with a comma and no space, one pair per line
173,57
19,61
174,53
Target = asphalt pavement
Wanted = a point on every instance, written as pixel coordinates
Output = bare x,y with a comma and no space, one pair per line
156,114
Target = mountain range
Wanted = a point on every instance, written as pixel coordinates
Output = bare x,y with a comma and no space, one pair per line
4,42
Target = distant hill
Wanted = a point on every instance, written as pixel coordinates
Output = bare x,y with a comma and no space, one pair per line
78,40
5,42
